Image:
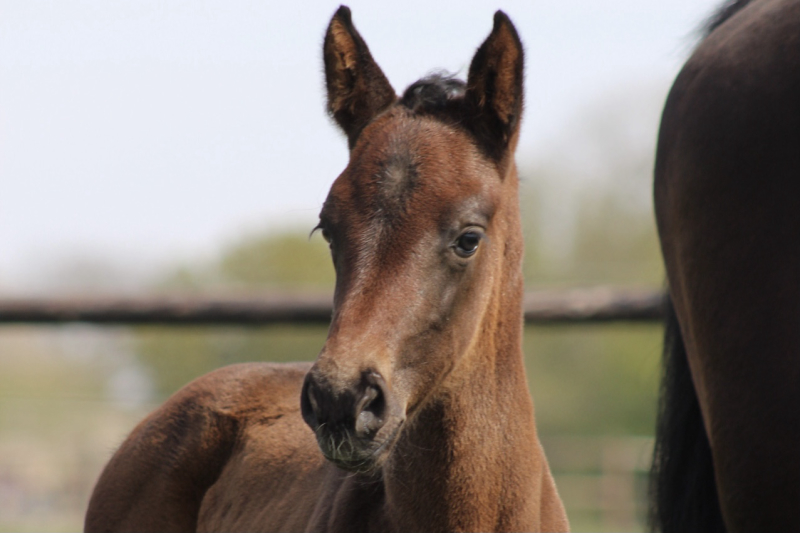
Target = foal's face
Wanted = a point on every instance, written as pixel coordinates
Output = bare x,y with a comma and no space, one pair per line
421,226
415,245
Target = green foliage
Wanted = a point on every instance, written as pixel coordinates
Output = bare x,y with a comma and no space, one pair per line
598,379
613,245
587,208
284,260
601,241
290,261
179,356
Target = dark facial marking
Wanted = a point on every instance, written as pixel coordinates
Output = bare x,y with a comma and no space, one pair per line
397,179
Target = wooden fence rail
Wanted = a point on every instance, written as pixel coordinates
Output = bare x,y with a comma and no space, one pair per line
570,306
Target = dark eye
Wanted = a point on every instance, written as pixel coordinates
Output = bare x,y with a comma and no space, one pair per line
467,243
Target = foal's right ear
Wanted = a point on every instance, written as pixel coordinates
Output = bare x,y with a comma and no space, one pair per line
494,88
357,88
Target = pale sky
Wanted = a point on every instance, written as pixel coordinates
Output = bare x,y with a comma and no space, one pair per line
150,130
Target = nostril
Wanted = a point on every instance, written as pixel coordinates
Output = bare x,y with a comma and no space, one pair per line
360,409
371,394
309,406
370,411
312,400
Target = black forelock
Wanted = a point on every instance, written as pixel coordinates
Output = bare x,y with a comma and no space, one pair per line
433,92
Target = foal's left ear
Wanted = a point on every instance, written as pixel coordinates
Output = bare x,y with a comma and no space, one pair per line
357,87
494,88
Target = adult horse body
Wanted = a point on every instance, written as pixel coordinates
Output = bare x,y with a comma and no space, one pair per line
418,400
727,198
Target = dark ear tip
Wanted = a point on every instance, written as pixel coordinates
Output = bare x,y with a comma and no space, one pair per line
502,20
343,13
500,17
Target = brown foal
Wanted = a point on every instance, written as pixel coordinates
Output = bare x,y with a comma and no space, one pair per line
416,416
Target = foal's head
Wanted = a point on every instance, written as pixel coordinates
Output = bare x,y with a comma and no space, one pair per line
423,227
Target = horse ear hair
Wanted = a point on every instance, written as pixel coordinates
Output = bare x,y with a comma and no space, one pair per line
357,88
494,87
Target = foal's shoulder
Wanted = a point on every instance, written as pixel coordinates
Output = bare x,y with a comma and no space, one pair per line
239,391
235,395
210,411
157,478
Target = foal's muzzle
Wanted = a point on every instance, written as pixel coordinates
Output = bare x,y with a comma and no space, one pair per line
348,421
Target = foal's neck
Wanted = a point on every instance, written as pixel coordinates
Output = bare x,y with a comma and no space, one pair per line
471,460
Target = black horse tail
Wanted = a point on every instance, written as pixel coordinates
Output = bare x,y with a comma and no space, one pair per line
683,490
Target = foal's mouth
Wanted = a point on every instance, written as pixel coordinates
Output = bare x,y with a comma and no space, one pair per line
355,454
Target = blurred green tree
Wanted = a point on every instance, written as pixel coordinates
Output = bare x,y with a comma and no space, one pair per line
286,261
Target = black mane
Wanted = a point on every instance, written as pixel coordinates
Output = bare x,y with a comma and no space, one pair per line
723,13
433,92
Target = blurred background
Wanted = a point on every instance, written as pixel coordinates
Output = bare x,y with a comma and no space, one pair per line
153,147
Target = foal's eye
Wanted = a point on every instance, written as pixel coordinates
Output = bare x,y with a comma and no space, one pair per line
467,243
